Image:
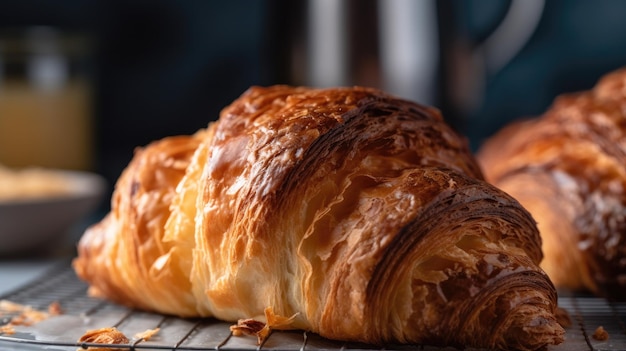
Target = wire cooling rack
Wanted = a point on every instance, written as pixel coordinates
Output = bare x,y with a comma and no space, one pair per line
81,312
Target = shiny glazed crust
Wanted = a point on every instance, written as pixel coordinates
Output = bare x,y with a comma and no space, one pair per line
568,168
363,215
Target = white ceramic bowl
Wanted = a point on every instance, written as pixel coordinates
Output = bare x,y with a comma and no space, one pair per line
32,223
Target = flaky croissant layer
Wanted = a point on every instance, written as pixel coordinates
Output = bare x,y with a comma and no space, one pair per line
362,215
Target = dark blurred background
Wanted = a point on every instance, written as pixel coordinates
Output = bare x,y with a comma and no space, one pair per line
135,71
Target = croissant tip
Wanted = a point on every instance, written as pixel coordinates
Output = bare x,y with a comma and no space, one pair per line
534,333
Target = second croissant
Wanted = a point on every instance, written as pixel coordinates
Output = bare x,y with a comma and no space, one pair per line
568,168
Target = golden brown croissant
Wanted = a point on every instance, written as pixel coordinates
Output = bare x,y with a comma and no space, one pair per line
363,216
568,168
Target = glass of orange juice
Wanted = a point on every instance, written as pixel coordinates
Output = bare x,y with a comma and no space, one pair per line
46,115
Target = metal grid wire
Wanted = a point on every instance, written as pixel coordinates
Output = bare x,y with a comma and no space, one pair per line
81,313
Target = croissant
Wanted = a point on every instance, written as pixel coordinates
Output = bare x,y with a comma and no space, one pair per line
568,168
362,216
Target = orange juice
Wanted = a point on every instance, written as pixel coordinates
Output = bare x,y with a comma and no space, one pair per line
46,127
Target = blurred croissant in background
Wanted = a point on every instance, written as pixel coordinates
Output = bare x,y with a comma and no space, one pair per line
359,216
568,168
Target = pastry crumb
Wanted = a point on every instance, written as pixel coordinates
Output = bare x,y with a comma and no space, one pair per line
147,334
27,315
54,309
247,327
9,306
7,329
600,334
111,336
260,329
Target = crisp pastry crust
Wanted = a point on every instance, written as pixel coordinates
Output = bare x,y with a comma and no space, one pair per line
568,168
363,216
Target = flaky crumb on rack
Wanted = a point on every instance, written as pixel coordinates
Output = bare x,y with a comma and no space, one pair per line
252,327
108,336
24,315
54,309
7,329
600,334
147,334
113,336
